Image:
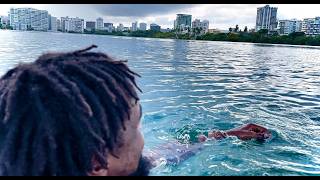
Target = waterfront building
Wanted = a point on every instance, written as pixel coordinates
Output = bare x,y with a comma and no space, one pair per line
59,25
306,22
142,26
72,24
266,18
155,27
201,26
311,26
108,27
29,19
289,26
99,24
182,21
90,25
134,26
53,24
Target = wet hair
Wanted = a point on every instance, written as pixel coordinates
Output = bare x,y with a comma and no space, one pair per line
62,110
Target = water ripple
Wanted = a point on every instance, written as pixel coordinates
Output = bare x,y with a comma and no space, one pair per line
213,85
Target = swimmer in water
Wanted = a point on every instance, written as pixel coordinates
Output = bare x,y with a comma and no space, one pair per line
176,152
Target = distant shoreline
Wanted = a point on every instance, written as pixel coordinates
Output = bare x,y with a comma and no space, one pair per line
189,39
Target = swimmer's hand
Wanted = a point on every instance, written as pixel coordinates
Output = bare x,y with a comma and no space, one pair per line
246,132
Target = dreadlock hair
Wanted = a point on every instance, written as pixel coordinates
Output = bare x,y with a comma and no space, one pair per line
62,110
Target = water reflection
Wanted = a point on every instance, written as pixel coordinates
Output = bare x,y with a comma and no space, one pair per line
213,85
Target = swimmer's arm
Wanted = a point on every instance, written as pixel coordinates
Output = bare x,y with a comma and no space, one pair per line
243,135
247,132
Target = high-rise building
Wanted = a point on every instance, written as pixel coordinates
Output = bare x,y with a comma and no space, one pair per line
99,23
306,23
108,27
120,27
134,26
53,24
266,18
29,19
143,26
90,25
155,27
311,26
72,24
182,21
59,25
289,26
201,26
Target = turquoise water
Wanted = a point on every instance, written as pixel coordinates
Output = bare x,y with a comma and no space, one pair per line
212,85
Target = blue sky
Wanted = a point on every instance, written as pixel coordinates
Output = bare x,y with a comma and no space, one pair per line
220,16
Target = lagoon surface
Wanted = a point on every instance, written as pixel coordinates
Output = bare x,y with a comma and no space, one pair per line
212,85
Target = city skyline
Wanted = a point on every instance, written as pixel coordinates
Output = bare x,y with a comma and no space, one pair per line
223,16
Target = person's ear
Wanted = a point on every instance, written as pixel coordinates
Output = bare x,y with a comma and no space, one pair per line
99,171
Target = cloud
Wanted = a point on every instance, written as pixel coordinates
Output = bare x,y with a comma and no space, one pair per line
219,15
139,10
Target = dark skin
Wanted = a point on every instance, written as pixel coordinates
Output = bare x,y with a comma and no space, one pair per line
246,132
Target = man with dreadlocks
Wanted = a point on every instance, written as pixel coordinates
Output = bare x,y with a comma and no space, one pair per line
75,114
70,114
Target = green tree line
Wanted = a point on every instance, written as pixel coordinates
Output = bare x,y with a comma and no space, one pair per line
234,35
262,36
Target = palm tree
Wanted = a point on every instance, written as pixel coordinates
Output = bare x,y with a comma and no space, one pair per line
245,29
236,29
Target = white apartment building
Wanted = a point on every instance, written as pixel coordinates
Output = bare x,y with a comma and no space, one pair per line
201,26
29,19
99,23
306,22
108,27
289,26
311,26
134,26
72,24
143,26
